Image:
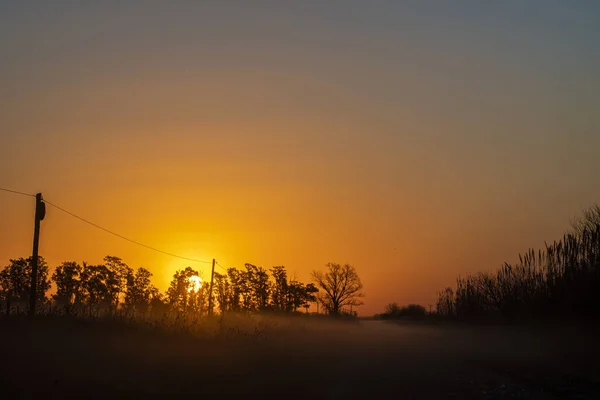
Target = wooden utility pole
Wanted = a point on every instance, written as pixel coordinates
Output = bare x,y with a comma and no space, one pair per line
40,213
210,289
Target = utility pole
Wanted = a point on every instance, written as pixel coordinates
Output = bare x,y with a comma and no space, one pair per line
40,213
210,290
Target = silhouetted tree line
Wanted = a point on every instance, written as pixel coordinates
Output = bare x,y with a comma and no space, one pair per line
114,287
254,289
561,280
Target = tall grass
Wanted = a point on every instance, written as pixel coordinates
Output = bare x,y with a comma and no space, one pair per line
562,280
229,325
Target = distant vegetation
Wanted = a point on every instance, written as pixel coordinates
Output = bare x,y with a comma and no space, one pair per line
411,311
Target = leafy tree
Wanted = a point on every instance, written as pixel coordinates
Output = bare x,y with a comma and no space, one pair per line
120,273
238,288
341,287
257,280
222,293
98,287
15,281
139,291
198,299
181,290
300,295
309,295
253,290
279,288
68,284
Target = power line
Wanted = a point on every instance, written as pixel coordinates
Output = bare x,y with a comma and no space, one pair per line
125,238
16,192
222,267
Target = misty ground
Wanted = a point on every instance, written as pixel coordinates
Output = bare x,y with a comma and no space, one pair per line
299,358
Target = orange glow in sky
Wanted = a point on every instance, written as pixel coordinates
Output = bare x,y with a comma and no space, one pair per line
415,144
196,283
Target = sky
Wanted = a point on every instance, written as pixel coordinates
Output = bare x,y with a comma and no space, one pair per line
415,140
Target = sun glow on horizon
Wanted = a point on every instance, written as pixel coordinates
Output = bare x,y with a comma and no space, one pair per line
195,283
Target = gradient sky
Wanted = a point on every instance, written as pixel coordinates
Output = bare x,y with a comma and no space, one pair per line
415,140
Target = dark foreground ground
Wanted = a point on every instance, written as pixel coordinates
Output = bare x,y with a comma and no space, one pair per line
314,360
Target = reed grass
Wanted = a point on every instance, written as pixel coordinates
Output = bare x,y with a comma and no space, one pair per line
561,280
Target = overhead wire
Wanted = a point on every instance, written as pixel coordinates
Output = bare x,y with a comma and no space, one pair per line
220,266
124,237
17,192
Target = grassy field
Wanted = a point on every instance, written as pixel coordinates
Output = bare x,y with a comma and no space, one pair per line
295,358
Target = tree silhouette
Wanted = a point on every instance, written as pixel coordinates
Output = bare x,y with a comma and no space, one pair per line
139,291
279,288
309,295
98,285
222,289
300,295
258,287
68,284
198,299
253,290
180,290
237,289
120,273
15,282
341,287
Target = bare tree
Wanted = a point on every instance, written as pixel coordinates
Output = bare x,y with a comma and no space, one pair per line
341,287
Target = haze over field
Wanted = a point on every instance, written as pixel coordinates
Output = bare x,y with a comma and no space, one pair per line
415,142
300,358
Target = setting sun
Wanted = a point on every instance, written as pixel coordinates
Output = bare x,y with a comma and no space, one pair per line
195,283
